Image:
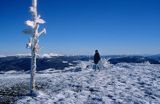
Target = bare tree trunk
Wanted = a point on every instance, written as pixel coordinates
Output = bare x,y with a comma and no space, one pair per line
33,72
33,49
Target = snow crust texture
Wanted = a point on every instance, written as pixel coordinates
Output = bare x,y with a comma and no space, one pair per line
122,83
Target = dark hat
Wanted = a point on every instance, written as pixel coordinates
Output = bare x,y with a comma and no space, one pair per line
96,51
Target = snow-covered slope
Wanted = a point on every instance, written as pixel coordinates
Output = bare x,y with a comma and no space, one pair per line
115,84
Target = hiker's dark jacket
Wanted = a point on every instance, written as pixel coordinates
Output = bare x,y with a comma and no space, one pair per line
96,58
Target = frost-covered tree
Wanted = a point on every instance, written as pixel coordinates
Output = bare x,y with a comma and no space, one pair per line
33,43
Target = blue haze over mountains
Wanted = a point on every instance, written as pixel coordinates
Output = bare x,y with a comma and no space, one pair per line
22,63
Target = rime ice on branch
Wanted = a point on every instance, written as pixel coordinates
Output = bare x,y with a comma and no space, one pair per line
33,43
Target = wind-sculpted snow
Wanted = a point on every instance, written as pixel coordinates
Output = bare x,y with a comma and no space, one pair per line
122,83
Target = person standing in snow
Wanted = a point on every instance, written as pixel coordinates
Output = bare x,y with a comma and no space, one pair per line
97,58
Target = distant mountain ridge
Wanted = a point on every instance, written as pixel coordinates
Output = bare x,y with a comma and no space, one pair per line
20,63
58,62
135,59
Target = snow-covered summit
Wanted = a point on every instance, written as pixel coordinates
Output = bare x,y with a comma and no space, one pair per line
23,55
45,55
50,55
2,56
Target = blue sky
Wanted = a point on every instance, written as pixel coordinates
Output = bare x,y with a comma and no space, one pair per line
81,26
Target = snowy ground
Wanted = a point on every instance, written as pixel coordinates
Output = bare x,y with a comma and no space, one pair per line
114,84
